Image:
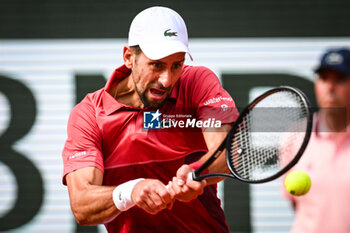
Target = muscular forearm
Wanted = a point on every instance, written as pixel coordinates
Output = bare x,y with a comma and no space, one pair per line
213,140
218,166
93,205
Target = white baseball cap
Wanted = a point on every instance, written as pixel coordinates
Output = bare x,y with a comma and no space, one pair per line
160,32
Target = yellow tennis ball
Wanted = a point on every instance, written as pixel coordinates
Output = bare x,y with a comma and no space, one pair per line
297,183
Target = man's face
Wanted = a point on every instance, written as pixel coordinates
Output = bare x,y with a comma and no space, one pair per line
332,89
154,79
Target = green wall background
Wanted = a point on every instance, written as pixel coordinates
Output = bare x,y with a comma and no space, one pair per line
206,18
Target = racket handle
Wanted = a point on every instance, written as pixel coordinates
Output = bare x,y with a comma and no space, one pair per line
190,175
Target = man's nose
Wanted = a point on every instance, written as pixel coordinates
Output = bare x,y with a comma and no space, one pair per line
165,78
331,84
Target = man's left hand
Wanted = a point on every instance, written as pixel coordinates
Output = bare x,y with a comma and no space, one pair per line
184,187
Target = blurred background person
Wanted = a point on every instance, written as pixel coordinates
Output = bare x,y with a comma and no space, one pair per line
326,208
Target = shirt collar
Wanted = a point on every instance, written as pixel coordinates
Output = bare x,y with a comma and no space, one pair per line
119,74
110,104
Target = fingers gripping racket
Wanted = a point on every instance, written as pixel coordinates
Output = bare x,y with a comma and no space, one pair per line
268,138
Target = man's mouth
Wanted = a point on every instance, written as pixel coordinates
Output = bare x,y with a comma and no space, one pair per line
157,92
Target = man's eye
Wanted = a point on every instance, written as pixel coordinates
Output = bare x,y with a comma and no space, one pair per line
157,65
177,65
323,77
342,79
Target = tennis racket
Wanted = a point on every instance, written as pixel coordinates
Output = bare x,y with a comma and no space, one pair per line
267,139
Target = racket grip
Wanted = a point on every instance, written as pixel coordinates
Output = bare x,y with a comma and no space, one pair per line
190,175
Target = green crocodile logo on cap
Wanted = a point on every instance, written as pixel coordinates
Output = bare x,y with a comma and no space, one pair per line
170,34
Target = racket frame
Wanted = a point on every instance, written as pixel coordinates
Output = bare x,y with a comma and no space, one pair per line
196,175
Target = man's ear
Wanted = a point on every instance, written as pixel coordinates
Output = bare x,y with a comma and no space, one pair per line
128,56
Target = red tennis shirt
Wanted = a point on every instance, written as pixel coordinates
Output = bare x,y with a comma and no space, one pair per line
110,136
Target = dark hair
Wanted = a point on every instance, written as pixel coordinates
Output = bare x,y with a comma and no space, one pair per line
136,48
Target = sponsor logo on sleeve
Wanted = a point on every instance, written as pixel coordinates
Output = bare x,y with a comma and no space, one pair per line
224,107
77,154
215,100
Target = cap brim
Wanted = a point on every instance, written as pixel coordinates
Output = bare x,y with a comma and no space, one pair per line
339,69
156,51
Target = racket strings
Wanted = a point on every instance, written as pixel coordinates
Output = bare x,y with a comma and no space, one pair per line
269,136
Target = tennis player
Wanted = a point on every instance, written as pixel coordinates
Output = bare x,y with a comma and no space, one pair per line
125,171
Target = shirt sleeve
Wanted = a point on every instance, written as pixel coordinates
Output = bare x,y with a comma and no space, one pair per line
83,145
211,99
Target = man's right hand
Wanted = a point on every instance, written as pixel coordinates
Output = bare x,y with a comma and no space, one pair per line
152,196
